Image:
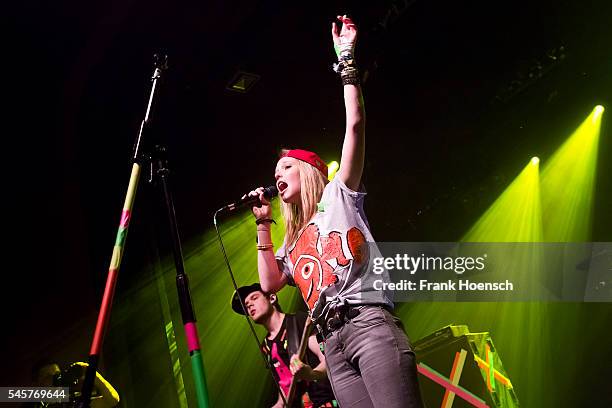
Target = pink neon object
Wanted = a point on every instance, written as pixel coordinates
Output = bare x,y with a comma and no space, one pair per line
444,383
125,218
192,337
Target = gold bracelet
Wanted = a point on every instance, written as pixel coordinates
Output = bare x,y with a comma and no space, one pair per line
263,247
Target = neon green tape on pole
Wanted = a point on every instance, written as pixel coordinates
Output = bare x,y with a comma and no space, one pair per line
121,236
491,369
199,378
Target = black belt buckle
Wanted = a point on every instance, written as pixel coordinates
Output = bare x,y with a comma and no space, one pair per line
335,321
340,315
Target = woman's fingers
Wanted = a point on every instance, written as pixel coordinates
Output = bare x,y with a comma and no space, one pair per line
256,192
348,27
259,193
346,20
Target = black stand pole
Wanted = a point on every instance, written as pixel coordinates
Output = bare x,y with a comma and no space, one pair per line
182,282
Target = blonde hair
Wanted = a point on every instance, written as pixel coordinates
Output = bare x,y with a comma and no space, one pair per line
312,183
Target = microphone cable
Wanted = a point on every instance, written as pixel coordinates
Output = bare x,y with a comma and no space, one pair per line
246,314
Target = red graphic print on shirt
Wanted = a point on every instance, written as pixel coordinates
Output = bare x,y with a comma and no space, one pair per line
312,271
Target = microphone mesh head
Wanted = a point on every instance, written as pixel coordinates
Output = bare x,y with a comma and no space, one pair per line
270,192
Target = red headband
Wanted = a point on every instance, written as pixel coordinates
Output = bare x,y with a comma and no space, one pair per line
309,157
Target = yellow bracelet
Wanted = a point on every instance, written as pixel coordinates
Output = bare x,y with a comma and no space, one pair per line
263,247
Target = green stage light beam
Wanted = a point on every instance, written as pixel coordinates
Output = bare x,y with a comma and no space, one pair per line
516,215
235,360
235,370
519,329
568,181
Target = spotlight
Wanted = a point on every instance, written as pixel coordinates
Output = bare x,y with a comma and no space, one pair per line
568,183
515,216
535,160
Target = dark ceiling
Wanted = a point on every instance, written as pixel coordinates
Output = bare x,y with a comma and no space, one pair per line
445,133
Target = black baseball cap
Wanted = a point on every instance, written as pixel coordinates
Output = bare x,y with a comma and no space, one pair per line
244,291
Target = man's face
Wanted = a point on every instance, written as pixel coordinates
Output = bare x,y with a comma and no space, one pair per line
258,305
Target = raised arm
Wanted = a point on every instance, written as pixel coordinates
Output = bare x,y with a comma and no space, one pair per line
353,149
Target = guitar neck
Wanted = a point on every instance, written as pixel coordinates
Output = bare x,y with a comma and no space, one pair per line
305,337
301,351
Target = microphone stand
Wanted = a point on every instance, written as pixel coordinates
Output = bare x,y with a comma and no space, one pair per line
160,166
117,254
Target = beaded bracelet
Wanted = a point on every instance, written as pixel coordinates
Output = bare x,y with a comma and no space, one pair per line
347,68
350,76
262,220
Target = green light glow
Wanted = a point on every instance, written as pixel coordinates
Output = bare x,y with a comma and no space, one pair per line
568,184
537,342
553,207
516,215
332,168
230,354
519,330
236,374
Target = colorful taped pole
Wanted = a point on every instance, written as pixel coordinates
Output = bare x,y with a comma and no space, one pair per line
115,263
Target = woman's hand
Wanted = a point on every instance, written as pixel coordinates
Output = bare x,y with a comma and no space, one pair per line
263,211
344,38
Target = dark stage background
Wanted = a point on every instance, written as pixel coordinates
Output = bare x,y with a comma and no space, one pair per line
453,116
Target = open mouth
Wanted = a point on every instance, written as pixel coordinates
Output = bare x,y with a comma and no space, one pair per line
282,186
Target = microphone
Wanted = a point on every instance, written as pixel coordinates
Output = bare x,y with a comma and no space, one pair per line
269,193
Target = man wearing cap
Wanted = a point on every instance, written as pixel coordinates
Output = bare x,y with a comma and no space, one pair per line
280,346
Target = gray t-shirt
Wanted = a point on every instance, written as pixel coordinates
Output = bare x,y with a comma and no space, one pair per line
329,260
